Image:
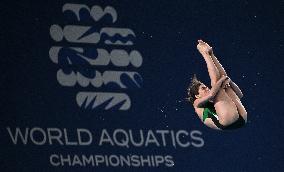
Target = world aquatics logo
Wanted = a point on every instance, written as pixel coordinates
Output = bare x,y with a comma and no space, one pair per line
93,57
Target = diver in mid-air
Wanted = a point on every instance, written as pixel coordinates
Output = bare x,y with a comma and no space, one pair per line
219,107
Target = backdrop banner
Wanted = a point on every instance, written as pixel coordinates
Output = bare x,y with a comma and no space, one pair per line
102,85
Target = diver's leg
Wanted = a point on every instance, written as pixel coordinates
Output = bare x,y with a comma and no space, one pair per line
241,109
218,65
222,71
212,69
229,90
224,106
215,60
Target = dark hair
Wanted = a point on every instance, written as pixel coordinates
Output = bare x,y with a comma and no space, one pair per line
193,88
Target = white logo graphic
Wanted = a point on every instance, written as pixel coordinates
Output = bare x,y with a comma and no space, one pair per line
85,54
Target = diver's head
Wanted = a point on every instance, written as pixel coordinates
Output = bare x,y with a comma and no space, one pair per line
196,89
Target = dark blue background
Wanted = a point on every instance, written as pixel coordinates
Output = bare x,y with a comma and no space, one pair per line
246,36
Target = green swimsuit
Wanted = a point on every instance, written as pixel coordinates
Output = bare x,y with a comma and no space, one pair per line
209,111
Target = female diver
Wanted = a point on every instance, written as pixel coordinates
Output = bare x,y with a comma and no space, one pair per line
219,107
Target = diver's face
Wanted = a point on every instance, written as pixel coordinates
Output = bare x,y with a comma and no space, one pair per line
203,91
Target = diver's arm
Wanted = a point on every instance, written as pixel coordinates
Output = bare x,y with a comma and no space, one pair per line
236,89
199,103
229,83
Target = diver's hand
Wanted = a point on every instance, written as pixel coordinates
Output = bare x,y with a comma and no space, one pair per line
226,82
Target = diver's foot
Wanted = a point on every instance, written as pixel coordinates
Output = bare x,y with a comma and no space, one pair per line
204,48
